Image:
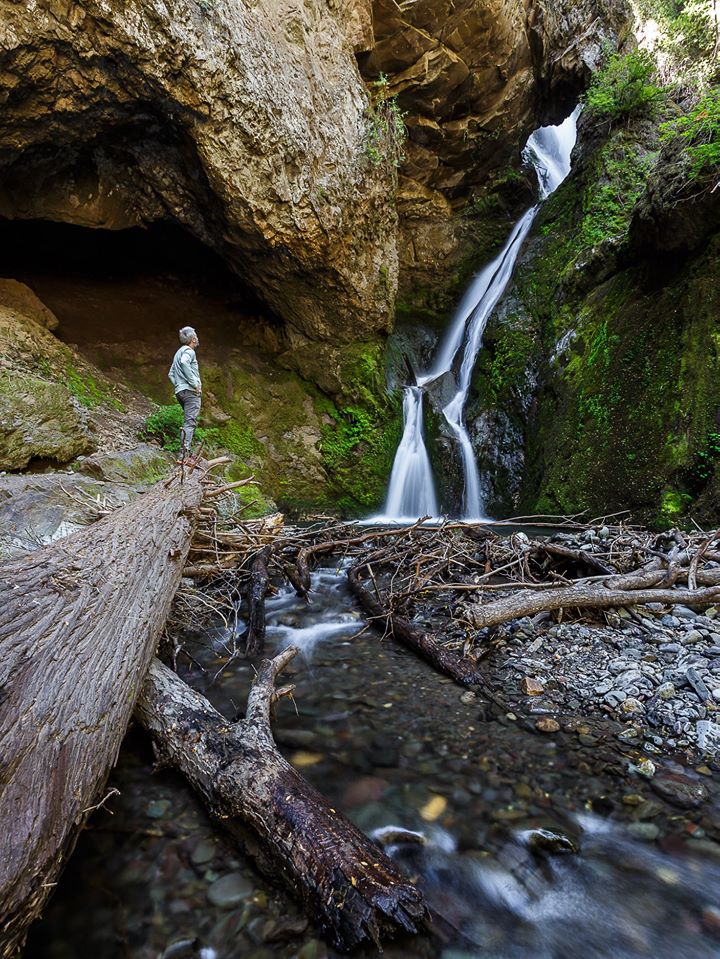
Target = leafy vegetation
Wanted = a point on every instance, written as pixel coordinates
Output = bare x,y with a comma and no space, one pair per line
386,131
622,89
164,425
699,132
687,30
86,390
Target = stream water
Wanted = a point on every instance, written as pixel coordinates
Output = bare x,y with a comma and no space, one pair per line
391,744
411,493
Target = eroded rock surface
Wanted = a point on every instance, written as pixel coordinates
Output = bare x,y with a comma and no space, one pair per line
246,123
474,78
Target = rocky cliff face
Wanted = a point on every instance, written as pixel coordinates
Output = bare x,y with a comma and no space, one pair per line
246,123
474,78
603,358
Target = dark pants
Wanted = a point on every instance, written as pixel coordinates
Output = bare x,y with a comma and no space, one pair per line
190,402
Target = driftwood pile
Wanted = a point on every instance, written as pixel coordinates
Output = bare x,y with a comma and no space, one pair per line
82,619
479,576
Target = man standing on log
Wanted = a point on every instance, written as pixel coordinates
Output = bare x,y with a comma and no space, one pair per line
185,377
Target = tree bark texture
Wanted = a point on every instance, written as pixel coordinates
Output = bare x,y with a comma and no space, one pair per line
259,582
528,603
79,622
446,661
345,881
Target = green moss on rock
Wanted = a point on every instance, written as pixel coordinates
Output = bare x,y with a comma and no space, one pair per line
39,420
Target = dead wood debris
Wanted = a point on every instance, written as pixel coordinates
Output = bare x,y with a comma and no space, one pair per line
472,576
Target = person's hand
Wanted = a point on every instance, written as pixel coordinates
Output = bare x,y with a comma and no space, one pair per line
198,389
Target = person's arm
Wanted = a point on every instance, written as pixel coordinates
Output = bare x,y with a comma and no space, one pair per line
190,370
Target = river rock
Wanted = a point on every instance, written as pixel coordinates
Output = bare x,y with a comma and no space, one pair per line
684,612
532,687
692,636
645,831
550,841
547,725
680,790
708,734
230,890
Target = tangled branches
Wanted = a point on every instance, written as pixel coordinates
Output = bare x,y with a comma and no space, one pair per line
468,576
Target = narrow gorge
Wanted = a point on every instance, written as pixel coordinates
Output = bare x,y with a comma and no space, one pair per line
449,271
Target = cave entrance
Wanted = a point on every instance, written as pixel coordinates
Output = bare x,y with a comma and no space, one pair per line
121,296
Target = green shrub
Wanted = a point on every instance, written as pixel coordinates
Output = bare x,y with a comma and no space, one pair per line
386,131
699,131
622,88
164,426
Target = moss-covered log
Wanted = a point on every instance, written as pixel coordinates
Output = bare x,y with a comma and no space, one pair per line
79,623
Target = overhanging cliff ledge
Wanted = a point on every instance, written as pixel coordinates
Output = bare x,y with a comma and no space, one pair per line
249,124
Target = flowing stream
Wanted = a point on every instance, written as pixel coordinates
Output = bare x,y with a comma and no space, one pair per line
390,744
411,493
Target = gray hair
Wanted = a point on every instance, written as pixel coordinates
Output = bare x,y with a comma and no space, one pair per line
186,334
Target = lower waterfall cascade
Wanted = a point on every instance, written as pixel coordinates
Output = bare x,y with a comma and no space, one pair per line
411,492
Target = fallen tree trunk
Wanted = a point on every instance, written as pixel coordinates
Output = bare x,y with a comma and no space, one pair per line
259,581
446,661
346,882
79,622
527,603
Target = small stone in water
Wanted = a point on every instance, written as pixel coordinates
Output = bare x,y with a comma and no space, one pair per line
680,790
433,808
646,768
547,725
646,831
203,852
710,916
632,799
303,758
468,697
229,890
158,808
666,691
532,687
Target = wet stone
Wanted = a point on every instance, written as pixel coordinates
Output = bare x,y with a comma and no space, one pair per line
532,687
683,612
158,808
230,890
644,831
680,790
203,852
547,725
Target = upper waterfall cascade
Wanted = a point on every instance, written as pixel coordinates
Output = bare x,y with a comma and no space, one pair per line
411,493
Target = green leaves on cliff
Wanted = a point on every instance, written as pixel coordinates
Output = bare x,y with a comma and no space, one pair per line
622,89
386,130
699,132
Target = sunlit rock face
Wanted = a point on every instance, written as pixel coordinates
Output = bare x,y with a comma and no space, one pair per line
244,122
474,77
248,124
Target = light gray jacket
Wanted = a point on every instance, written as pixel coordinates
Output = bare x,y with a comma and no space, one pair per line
184,373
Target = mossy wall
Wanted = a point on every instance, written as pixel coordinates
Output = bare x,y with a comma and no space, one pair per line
624,345
310,451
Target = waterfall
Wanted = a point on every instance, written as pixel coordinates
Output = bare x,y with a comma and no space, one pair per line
412,489
411,493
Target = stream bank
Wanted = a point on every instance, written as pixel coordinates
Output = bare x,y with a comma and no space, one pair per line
393,744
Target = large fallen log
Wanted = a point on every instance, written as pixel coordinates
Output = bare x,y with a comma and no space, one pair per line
345,881
447,661
582,597
79,622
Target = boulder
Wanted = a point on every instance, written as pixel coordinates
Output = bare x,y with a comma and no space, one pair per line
39,420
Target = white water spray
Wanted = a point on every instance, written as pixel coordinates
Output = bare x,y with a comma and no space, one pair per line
412,492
